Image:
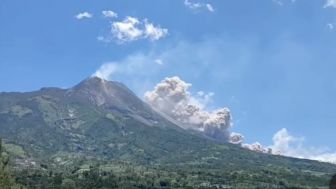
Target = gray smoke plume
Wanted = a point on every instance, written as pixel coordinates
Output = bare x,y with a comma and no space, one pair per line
285,144
236,138
171,97
258,148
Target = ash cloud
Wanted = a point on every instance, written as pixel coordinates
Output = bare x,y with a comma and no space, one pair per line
257,147
286,144
105,71
172,97
236,138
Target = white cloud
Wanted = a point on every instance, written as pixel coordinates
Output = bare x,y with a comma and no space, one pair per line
191,5
129,66
282,141
109,14
83,15
330,3
127,30
330,26
158,61
103,39
198,6
140,67
132,29
154,32
134,70
210,7
291,146
281,2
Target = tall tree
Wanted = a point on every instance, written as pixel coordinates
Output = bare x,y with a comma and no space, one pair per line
5,181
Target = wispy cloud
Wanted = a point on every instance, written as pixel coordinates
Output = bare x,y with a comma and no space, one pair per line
141,67
83,15
105,71
330,26
136,65
330,3
198,6
109,14
158,61
183,55
132,29
154,32
281,2
210,7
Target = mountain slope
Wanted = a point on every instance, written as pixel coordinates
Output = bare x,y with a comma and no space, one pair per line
103,120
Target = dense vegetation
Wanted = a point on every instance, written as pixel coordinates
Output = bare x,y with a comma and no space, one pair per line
81,172
6,182
125,175
4,177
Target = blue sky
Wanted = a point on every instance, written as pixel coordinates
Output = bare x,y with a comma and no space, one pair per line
271,62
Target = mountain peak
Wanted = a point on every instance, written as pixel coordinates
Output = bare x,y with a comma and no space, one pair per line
114,96
95,79
102,86
100,91
92,83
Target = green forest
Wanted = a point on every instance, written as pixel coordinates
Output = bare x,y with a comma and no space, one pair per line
83,173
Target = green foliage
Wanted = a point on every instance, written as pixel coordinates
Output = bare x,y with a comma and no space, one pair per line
15,150
5,178
101,175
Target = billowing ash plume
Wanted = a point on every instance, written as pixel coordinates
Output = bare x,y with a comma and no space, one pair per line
258,148
236,138
287,145
171,97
